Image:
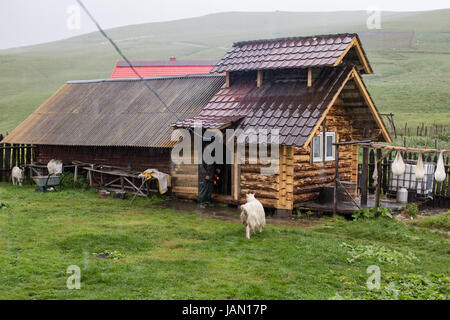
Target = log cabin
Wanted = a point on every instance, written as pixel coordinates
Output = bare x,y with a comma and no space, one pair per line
310,89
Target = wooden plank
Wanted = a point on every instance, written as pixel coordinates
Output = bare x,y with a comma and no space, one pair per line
13,156
22,154
227,80
7,160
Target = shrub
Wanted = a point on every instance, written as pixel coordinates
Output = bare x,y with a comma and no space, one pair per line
411,210
370,213
82,183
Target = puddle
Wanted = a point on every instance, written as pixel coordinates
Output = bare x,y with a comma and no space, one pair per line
228,212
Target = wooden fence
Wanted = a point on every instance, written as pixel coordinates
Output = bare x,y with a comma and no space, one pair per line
440,190
13,155
422,130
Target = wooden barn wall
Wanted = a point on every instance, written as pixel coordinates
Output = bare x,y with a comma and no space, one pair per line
135,157
275,190
185,179
310,176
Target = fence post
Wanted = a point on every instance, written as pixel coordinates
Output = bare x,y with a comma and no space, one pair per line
372,164
7,160
2,166
378,188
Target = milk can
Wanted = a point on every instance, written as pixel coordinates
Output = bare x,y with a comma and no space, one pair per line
402,195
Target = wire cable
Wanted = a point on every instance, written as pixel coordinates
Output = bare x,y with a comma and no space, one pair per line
129,63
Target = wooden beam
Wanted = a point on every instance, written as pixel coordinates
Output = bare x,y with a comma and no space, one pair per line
355,44
420,150
227,80
336,179
364,173
309,77
313,132
259,78
378,189
371,105
324,140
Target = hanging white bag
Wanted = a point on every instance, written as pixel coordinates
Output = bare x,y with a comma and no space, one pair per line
439,175
375,176
398,166
420,171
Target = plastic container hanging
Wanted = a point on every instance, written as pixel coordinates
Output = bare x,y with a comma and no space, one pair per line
375,176
398,166
439,174
420,170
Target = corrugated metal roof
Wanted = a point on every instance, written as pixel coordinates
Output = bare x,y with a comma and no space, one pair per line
291,107
282,53
116,112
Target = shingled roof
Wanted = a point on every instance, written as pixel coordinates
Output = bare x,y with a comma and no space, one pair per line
296,52
115,112
291,107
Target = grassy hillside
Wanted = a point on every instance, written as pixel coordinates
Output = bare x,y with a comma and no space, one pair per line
411,68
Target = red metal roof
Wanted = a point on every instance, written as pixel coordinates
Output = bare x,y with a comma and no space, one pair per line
283,53
148,69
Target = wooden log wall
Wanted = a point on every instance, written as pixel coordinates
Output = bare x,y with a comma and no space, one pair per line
137,158
310,176
13,155
185,180
273,190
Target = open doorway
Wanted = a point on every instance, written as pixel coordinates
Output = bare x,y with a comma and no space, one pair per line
220,173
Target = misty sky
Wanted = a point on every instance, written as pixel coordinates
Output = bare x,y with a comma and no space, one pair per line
26,22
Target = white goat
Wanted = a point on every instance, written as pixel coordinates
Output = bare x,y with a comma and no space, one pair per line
17,176
252,215
54,167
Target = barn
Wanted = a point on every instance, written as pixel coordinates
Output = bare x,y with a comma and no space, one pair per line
309,89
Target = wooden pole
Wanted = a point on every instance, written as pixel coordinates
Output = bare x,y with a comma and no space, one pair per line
365,172
309,84
259,78
336,179
324,133
409,149
378,189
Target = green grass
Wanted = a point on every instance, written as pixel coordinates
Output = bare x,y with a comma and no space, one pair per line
439,221
413,83
164,254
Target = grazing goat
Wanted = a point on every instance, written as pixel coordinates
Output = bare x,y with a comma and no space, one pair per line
252,215
17,176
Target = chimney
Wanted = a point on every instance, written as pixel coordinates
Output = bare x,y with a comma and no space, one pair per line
173,59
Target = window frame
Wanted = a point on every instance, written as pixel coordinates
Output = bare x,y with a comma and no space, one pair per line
333,147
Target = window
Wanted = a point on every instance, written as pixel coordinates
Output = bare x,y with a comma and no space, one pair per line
317,146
